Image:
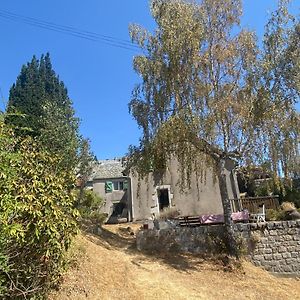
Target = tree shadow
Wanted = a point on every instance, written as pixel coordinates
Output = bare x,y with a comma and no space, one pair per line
178,261
109,240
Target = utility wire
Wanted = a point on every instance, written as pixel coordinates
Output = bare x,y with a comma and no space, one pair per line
70,29
72,32
88,35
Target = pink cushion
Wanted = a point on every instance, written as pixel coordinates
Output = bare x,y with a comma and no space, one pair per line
211,219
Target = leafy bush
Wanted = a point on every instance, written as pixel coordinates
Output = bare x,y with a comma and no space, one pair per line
97,217
37,217
282,213
293,195
286,191
89,205
275,215
89,199
263,189
8,174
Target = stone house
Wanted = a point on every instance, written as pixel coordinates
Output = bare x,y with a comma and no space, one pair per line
126,198
109,182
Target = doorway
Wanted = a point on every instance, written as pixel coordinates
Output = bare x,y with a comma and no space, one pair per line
163,198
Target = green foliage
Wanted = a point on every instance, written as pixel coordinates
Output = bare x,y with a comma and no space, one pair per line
264,189
97,218
89,207
8,174
90,200
196,77
86,161
207,92
280,91
45,110
292,195
205,83
275,215
59,133
39,154
37,218
281,214
286,191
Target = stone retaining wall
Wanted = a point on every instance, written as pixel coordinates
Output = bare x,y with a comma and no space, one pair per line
278,246
275,246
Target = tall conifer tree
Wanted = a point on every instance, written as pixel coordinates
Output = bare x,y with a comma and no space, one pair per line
39,106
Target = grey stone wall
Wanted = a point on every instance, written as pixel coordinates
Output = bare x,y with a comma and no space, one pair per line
274,246
206,239
277,246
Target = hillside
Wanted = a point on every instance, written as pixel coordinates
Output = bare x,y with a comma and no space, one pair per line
109,267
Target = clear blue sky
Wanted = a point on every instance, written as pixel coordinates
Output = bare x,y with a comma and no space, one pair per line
99,77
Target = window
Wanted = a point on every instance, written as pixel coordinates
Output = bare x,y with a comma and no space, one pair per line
120,185
116,185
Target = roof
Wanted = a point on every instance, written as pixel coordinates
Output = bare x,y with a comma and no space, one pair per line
109,168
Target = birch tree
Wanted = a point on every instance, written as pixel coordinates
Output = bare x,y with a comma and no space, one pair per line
198,96
280,91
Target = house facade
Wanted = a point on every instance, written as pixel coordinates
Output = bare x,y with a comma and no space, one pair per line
108,181
152,195
127,198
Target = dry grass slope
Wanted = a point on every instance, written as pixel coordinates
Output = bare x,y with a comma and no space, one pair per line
110,268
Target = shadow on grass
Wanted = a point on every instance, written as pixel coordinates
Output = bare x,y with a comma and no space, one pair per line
110,240
179,261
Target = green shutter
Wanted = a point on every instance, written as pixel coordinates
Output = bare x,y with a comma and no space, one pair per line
108,187
125,185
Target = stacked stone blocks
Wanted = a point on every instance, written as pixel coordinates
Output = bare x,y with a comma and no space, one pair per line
274,246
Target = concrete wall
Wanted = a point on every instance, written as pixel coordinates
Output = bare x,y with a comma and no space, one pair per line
203,196
274,246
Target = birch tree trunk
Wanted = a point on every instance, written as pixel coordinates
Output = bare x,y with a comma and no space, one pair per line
230,240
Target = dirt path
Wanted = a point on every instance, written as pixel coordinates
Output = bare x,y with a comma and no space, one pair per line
111,268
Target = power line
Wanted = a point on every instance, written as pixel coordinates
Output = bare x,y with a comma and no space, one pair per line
69,30
66,30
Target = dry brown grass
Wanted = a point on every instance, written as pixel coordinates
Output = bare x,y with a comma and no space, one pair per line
288,206
111,268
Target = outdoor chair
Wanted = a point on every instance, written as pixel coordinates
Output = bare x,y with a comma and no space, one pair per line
260,215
